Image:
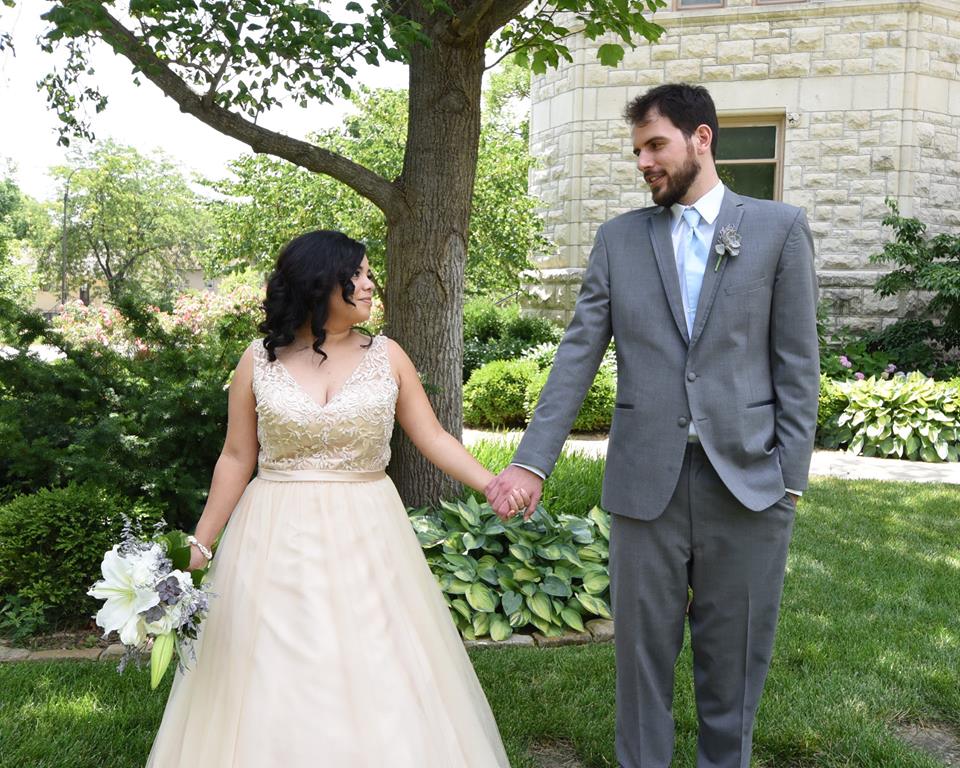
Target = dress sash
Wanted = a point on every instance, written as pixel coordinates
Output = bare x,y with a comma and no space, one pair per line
319,475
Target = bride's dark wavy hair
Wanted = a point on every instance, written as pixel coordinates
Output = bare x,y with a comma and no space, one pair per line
308,270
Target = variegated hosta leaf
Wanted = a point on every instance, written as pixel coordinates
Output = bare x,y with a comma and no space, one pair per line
546,574
500,628
909,417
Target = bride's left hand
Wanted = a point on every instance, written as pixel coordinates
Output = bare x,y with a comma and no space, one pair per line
519,501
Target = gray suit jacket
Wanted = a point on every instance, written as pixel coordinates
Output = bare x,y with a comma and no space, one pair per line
748,376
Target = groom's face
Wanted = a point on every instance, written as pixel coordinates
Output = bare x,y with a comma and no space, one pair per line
666,158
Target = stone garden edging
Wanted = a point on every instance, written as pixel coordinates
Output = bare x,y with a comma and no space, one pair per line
597,631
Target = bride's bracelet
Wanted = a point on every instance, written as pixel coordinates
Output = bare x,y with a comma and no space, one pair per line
205,551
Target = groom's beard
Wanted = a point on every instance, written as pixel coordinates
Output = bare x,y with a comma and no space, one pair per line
678,183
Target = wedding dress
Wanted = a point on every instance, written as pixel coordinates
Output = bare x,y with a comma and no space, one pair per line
328,643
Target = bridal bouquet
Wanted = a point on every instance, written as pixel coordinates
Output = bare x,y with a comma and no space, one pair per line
152,601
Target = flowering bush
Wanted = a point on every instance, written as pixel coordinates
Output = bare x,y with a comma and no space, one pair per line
849,359
137,403
195,313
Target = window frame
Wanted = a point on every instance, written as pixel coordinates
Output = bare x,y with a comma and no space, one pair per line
758,119
677,5
777,2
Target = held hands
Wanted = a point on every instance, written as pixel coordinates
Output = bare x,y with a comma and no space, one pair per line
513,490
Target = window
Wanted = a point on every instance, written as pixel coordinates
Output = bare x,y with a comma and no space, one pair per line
750,156
686,5
776,2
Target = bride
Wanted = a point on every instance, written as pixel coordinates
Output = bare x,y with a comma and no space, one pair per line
328,642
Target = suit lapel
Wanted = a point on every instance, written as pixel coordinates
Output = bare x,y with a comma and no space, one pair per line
731,211
667,262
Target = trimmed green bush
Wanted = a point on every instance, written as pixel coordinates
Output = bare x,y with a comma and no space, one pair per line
595,414
492,332
910,417
832,404
52,543
548,574
494,395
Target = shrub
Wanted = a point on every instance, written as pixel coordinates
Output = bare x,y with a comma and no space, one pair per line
832,404
846,357
494,395
549,573
596,412
910,417
492,333
52,543
544,355
922,265
915,345
142,409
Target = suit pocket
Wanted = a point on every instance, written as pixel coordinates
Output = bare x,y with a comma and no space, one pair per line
761,403
752,285
624,406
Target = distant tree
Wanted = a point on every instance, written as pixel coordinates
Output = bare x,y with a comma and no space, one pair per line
133,223
268,201
22,221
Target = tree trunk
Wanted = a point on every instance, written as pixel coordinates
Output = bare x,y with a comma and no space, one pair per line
427,246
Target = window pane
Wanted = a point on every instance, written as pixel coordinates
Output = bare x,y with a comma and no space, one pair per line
751,179
747,143
697,3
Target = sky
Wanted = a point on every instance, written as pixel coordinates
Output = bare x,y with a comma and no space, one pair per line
138,116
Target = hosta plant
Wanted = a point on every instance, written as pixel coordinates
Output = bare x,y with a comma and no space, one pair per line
910,417
548,574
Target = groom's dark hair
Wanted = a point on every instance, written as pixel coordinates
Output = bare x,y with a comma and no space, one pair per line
686,106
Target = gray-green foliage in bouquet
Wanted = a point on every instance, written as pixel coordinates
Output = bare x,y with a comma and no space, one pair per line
549,573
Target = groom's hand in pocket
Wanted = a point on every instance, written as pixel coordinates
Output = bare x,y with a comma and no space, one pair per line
499,491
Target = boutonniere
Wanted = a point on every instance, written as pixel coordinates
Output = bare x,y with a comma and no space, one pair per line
729,244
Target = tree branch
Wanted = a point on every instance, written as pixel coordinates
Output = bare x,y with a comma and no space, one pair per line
466,22
378,190
484,17
501,13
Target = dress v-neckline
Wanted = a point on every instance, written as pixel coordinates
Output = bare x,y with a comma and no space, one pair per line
303,391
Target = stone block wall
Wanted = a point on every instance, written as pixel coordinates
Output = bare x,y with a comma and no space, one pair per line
869,95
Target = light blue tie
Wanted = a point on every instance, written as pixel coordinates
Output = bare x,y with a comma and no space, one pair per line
693,263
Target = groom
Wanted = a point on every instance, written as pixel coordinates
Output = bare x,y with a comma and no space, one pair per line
711,299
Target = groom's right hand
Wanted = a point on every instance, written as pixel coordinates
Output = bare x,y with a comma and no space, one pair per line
499,489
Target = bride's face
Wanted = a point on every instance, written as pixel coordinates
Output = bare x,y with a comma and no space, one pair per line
358,312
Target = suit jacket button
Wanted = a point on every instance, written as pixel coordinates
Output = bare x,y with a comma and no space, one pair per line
691,376
682,421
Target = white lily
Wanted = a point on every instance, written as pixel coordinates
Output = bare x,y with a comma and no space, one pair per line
126,597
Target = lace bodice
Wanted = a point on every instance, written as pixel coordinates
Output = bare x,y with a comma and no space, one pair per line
351,432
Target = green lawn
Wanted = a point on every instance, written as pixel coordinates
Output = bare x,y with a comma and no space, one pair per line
869,637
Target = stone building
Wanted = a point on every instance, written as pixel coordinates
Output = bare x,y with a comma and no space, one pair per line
832,105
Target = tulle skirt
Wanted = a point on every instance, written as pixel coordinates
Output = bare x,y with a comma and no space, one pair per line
328,643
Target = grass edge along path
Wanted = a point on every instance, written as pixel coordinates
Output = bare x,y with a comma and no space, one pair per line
869,639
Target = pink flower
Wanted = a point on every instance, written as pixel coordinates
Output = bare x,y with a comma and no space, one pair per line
859,376
845,361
